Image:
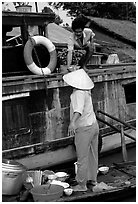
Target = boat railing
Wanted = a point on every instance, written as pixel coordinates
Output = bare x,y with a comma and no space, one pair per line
109,66
117,119
121,131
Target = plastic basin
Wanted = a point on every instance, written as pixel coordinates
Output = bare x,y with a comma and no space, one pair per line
44,193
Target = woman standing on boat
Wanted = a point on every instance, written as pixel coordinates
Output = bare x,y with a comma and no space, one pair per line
84,126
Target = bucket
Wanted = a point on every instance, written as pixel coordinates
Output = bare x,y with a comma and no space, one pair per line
11,177
25,8
46,193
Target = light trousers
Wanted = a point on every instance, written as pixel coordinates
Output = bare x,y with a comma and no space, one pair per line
86,142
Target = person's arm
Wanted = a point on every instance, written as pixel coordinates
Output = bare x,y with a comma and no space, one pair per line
90,39
77,101
69,58
72,127
70,50
92,45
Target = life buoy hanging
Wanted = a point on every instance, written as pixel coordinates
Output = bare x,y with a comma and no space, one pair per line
28,55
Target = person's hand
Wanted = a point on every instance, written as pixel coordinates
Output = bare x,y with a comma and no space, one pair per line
71,129
70,69
73,68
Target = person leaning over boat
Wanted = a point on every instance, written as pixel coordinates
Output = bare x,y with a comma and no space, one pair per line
80,45
83,125
80,41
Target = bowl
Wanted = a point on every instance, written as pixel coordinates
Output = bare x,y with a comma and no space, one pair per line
60,183
104,169
47,175
61,176
52,177
47,193
68,191
48,172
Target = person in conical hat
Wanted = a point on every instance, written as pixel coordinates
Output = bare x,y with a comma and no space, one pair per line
84,127
79,79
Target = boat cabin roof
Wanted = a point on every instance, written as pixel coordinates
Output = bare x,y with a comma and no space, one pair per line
12,18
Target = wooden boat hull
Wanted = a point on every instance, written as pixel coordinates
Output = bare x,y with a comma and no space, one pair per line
36,137
60,151
30,133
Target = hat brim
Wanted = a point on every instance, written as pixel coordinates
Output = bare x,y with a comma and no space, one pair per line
79,79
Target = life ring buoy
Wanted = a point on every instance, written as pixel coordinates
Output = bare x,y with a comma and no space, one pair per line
28,55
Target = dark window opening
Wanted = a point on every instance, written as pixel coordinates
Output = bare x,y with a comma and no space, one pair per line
130,92
15,116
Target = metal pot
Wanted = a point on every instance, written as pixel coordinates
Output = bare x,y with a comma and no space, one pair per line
11,177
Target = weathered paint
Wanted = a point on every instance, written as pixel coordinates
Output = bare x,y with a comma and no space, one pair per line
40,119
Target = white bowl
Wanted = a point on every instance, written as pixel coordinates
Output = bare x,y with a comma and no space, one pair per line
104,169
52,177
61,174
64,184
68,191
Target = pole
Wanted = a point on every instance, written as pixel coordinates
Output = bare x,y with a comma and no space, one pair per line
36,6
123,144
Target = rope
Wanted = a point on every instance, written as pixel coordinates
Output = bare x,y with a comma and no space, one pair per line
39,63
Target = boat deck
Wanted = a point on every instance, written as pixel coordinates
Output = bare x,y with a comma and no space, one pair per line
121,176
118,177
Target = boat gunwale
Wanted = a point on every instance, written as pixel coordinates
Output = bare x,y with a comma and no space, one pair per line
53,76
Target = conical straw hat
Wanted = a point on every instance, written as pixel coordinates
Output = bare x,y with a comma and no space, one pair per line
79,79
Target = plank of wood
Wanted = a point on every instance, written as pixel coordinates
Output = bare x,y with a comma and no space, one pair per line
13,96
